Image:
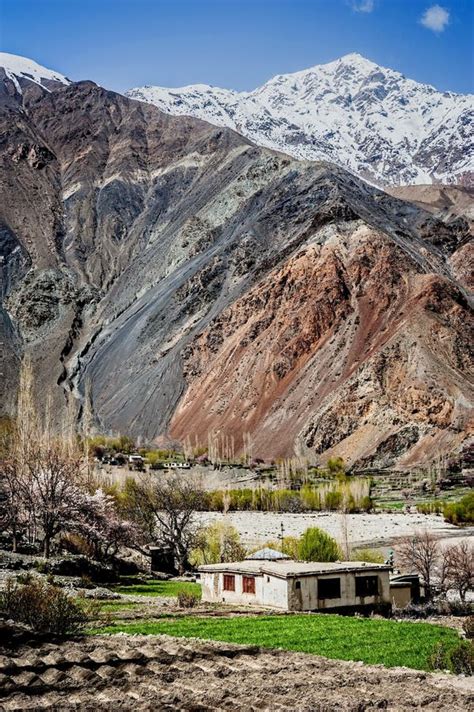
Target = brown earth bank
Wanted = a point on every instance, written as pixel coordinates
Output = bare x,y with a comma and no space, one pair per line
149,673
203,285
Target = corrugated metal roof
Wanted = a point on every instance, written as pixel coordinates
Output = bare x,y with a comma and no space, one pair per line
286,568
267,554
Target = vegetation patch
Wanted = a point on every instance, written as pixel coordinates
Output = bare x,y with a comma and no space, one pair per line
155,587
461,512
372,641
112,606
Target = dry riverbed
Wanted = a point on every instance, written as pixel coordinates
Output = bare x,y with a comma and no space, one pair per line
379,529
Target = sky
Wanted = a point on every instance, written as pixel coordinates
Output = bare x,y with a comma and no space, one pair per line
239,44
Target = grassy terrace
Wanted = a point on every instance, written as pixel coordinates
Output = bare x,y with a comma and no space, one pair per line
155,587
373,641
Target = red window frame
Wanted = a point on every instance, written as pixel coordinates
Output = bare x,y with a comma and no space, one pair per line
248,584
229,582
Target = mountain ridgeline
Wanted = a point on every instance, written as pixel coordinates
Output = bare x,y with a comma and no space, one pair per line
375,122
203,284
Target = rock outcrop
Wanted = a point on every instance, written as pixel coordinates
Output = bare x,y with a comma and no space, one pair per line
203,284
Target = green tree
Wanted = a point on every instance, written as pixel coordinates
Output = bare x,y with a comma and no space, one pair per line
316,545
336,467
216,544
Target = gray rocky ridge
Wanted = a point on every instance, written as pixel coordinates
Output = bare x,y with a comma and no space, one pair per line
201,283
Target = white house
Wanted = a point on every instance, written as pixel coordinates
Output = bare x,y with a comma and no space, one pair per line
298,585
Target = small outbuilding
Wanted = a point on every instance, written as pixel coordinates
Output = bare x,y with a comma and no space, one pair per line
342,586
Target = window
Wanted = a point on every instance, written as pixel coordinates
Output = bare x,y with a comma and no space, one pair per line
297,584
229,582
248,584
329,588
367,586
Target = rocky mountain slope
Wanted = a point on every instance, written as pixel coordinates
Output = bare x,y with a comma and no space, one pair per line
202,284
384,127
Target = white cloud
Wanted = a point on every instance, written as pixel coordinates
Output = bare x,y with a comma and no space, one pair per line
435,18
363,5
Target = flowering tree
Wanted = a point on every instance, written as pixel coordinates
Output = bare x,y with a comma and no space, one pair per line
101,526
44,487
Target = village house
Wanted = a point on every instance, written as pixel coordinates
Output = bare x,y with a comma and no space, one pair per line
278,582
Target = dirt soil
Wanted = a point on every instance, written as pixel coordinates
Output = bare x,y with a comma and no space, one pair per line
162,673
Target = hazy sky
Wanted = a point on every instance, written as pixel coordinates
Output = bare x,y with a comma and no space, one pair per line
238,44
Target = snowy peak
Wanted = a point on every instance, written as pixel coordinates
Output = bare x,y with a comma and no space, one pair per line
19,69
384,127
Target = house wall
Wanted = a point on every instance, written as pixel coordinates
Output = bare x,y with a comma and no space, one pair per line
284,593
275,591
401,595
213,589
306,597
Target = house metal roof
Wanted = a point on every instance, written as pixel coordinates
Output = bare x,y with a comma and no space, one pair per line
285,568
267,554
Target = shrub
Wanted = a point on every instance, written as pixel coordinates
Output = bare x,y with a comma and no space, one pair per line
459,659
461,512
336,467
187,599
430,507
371,556
316,545
462,658
44,607
468,627
333,500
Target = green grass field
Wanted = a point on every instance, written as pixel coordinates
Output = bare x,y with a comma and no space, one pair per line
113,606
154,587
344,638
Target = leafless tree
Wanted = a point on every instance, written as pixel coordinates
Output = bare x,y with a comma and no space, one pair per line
458,568
420,553
53,490
174,502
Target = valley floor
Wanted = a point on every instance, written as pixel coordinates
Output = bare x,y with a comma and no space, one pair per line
377,529
145,673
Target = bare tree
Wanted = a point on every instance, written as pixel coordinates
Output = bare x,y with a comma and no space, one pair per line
53,490
420,553
458,568
174,502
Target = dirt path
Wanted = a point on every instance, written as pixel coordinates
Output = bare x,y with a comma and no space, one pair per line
163,673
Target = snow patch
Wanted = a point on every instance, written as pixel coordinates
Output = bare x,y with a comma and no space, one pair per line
368,119
17,67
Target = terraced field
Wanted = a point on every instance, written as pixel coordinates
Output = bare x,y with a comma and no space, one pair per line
162,673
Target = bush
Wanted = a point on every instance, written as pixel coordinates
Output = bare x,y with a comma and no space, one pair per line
435,507
370,556
459,659
468,627
461,512
44,607
188,599
316,545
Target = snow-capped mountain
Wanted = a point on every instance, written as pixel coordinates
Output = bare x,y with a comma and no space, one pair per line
374,121
21,69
